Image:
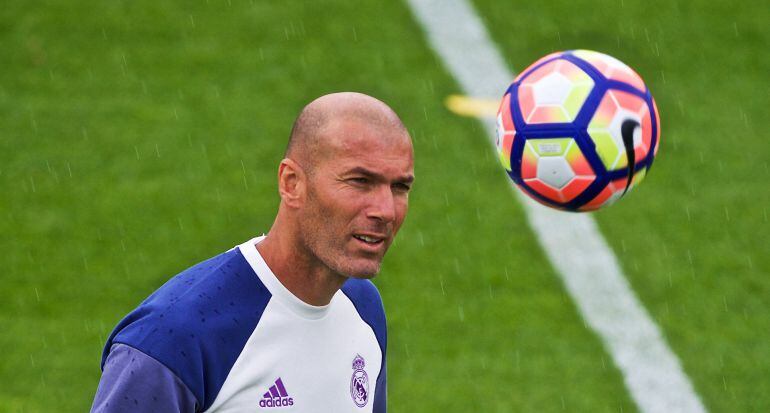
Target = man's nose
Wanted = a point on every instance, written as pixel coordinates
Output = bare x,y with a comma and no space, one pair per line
383,205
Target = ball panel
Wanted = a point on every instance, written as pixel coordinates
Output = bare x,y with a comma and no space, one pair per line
548,114
505,132
554,92
526,101
576,99
552,89
544,190
578,161
576,187
550,146
534,65
529,162
657,123
598,201
554,171
608,195
504,113
611,68
608,151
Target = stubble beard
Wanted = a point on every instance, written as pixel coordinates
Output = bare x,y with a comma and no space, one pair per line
323,246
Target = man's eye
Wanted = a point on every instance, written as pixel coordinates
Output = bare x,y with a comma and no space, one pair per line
359,181
402,187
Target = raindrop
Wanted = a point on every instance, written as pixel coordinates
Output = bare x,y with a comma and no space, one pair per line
245,182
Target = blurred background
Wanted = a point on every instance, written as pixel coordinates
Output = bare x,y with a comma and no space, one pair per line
140,137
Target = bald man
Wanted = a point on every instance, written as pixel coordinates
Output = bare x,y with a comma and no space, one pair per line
286,321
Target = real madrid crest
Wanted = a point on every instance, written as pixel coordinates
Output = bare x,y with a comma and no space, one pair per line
359,382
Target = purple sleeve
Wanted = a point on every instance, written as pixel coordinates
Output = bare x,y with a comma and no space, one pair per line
135,382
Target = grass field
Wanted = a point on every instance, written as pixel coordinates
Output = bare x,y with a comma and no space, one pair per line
137,138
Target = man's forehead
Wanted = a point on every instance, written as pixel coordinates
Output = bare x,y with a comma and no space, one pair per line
352,136
355,148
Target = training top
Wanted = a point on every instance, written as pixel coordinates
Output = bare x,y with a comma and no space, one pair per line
226,335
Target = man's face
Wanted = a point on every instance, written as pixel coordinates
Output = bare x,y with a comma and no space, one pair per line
357,197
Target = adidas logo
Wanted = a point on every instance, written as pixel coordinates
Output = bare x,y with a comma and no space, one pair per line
277,396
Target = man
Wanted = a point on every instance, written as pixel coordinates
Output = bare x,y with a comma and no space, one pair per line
286,321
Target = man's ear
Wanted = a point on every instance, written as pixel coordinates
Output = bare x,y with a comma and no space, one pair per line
292,183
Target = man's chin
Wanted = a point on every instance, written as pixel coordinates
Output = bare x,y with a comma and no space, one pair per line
364,276
364,271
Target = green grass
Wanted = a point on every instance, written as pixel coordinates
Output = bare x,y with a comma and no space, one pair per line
137,138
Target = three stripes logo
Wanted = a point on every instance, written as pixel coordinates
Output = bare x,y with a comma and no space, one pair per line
277,396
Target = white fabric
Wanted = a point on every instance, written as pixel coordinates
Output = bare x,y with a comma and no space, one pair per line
311,349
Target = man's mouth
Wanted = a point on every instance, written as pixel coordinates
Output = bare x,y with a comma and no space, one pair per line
369,239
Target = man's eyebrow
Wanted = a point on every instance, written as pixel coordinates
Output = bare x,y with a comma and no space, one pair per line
409,178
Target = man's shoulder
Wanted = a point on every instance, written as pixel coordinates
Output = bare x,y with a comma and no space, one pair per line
199,321
362,290
210,295
368,303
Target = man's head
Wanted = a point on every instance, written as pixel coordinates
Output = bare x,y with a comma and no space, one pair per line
345,181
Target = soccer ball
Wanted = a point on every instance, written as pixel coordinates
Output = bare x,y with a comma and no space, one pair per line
577,130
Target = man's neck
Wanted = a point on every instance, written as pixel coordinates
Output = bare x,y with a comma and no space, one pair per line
309,280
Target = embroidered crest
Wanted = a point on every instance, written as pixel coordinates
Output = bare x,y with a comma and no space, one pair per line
359,382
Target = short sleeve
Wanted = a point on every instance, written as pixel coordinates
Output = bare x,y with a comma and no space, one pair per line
133,381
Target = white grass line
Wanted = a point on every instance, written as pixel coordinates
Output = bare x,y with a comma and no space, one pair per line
578,251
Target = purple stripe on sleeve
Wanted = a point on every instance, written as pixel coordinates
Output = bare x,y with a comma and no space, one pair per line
135,382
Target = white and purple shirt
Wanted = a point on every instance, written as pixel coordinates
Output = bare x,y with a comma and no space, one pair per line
226,336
